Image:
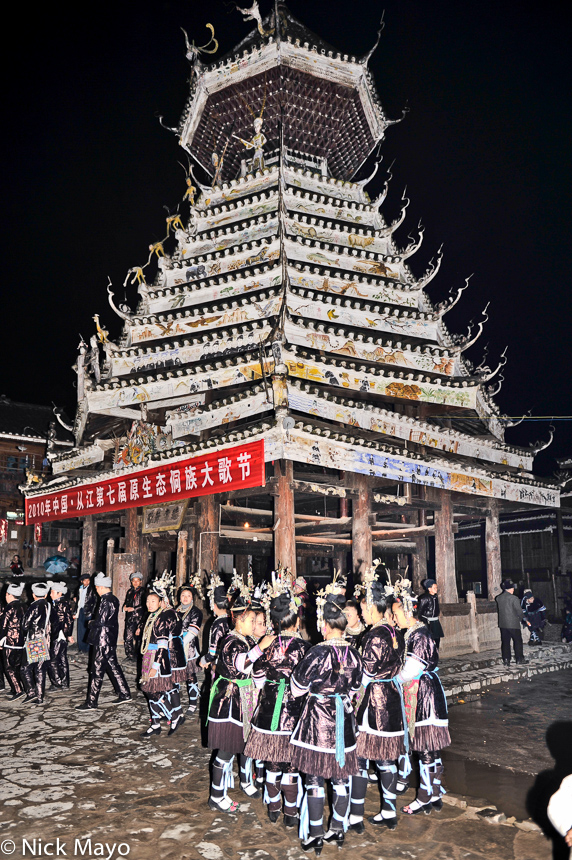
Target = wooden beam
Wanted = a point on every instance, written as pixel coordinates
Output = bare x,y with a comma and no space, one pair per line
247,535
334,541
408,532
471,509
410,504
251,512
389,546
323,489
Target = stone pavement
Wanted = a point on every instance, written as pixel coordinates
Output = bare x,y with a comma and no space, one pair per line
89,776
464,677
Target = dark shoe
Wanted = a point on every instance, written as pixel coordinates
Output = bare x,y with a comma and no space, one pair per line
273,815
29,698
358,827
120,700
56,686
15,696
291,820
437,804
86,707
335,837
151,732
390,823
522,662
317,843
175,725
250,790
506,662
39,702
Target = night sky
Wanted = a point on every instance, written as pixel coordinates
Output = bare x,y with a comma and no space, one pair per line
484,152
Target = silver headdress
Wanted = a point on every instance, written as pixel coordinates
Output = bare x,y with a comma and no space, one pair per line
164,586
215,583
282,584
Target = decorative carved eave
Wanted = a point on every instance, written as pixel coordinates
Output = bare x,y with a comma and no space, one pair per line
240,406
218,344
307,443
355,287
120,395
347,374
392,350
372,317
306,398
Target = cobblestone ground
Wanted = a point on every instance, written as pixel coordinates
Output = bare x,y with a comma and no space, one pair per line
89,776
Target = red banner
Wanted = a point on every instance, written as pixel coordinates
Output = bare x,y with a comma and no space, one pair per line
213,472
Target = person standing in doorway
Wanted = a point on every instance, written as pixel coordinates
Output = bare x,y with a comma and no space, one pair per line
510,616
429,610
86,599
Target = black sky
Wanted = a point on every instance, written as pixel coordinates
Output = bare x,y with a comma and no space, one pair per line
484,152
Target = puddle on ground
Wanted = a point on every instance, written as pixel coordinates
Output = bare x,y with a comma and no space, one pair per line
506,789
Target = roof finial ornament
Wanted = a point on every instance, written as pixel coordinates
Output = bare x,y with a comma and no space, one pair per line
537,447
123,311
464,343
252,13
165,126
193,51
432,269
363,182
379,200
508,422
450,303
57,410
367,57
415,245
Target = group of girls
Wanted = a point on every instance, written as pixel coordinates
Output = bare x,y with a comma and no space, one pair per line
169,650
297,716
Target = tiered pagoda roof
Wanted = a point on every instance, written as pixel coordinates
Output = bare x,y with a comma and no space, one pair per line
282,293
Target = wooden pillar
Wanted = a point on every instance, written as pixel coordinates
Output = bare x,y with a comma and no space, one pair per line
145,558
182,549
131,536
562,559
361,528
241,564
419,559
284,532
493,551
109,557
88,545
208,534
445,548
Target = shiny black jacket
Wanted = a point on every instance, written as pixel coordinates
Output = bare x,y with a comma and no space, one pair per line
37,619
61,618
134,600
12,625
90,602
104,628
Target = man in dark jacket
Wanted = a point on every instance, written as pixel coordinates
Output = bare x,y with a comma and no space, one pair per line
102,637
86,603
510,616
12,639
61,624
134,611
37,627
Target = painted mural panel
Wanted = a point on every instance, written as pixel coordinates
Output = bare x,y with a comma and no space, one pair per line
191,323
330,453
222,265
191,249
178,386
336,188
372,320
77,459
380,292
373,244
218,417
177,356
356,380
344,344
185,297
341,260
254,209
365,217
241,188
391,424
